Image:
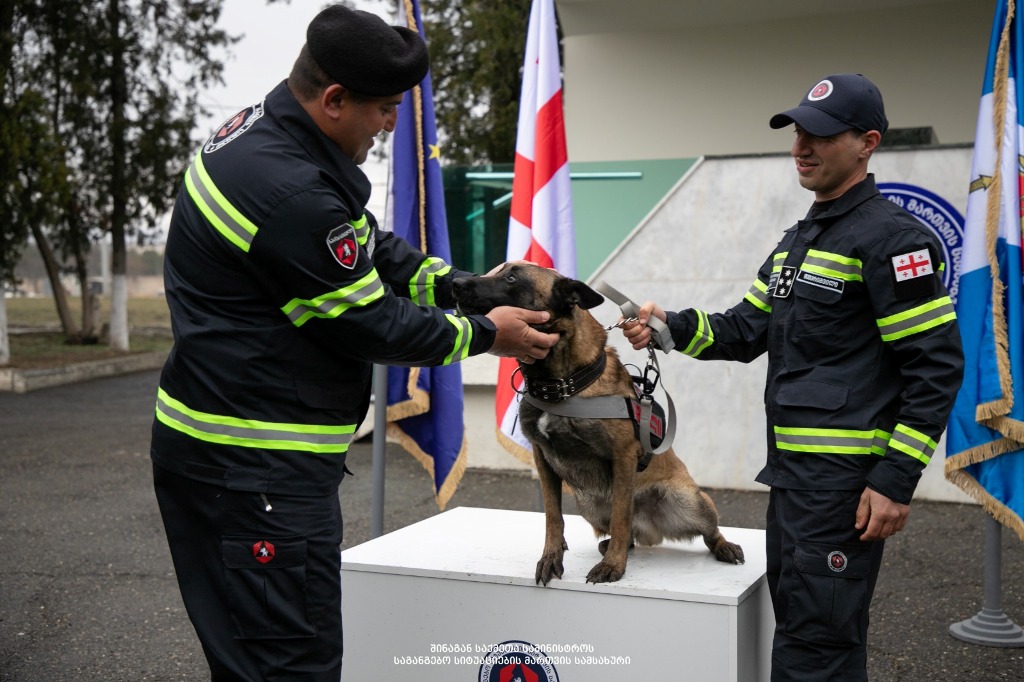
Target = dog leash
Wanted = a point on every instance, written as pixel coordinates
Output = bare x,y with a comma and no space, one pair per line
661,338
647,408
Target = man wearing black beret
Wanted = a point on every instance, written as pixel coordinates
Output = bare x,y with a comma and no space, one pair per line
282,293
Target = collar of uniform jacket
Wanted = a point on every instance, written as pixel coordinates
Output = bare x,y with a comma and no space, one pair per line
856,195
282,105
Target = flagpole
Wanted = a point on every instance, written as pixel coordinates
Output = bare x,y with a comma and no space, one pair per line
380,426
985,436
990,626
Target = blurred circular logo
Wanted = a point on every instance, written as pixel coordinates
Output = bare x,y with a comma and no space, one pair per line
516,661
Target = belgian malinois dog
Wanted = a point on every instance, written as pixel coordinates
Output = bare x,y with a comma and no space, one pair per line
597,458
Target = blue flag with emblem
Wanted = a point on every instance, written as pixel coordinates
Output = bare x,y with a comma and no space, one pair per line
985,437
424,411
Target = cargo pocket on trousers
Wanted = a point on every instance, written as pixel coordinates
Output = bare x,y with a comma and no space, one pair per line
826,596
266,581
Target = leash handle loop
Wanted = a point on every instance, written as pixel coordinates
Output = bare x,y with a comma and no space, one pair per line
661,335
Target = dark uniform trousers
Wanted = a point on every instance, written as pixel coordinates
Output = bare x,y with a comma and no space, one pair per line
821,585
254,581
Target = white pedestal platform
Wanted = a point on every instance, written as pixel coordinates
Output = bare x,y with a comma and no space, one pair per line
433,601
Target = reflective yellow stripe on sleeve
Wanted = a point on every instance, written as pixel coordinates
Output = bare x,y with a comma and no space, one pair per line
330,305
912,442
463,338
421,287
757,296
215,207
916,320
702,338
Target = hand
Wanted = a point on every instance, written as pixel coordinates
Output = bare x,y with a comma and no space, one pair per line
637,332
516,338
879,517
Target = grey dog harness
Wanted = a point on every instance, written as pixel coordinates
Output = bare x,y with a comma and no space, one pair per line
617,407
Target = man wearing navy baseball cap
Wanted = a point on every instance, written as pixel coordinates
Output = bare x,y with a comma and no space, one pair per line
835,104
864,363
847,110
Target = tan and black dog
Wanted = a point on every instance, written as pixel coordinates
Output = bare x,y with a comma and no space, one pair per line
597,458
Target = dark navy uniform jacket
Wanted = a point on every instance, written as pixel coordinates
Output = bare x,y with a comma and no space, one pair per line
282,292
864,354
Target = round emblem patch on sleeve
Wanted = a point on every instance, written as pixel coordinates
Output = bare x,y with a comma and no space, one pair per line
343,245
234,126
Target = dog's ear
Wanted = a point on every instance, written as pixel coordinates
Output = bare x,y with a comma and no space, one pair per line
569,292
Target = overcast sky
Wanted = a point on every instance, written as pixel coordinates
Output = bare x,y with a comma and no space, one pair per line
272,37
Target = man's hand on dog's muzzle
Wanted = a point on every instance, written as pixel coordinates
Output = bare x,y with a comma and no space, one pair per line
515,337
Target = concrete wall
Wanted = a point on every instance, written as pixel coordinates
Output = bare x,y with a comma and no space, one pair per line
703,249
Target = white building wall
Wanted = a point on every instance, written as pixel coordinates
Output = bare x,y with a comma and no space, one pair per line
643,90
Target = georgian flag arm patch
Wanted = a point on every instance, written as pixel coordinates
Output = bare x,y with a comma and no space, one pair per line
911,274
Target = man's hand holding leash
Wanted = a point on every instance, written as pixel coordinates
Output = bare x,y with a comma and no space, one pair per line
636,331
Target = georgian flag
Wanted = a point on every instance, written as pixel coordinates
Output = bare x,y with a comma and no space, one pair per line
541,225
912,265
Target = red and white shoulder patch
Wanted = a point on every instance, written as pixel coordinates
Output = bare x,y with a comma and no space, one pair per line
912,265
343,245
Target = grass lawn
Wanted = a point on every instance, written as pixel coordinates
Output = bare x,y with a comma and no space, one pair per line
47,348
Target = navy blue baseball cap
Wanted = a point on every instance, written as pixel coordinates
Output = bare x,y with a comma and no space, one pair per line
835,104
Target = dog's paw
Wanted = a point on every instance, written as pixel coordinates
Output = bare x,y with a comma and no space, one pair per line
605,573
549,567
602,546
729,552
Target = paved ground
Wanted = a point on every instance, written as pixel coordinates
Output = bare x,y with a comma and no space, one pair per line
87,590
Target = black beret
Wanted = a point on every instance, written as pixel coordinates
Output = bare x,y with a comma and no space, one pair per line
360,51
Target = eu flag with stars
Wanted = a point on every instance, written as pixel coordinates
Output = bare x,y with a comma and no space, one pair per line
424,410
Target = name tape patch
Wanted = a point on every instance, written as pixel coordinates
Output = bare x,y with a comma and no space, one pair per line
820,281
